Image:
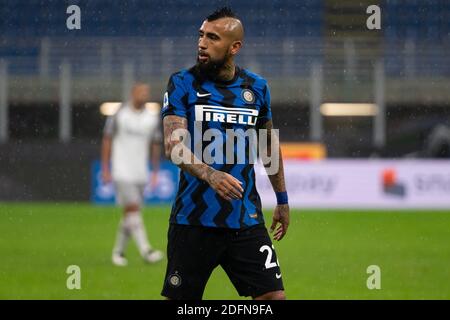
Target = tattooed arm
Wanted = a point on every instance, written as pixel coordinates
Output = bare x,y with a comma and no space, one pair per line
223,183
275,172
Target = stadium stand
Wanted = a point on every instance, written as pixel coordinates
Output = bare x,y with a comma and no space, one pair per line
284,40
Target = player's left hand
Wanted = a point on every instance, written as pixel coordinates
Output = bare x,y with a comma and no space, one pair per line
280,216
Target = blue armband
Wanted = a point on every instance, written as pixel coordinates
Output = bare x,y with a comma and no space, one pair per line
282,197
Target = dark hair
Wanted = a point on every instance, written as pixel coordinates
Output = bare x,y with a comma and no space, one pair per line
224,12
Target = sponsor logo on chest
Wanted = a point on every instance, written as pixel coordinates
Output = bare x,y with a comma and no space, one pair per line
208,113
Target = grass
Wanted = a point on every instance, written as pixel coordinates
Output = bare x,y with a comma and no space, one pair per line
324,256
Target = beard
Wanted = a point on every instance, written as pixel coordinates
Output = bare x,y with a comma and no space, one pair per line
211,68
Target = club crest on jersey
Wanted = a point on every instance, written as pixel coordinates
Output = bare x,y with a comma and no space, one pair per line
248,96
226,115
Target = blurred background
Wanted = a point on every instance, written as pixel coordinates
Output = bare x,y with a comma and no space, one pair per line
364,120
312,52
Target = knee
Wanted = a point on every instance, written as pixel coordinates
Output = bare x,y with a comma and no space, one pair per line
273,295
131,208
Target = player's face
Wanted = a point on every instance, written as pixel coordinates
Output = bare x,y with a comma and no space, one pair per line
140,95
214,45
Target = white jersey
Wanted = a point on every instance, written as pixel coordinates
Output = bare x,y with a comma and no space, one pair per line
132,131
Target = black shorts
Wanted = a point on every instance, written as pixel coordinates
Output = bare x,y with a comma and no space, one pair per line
247,256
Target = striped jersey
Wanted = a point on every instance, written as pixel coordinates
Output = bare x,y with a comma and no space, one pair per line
226,110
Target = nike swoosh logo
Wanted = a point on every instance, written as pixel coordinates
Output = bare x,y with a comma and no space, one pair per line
278,275
200,95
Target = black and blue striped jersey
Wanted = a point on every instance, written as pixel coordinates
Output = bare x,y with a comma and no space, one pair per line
239,104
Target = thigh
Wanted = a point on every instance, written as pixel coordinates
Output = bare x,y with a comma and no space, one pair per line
192,254
251,262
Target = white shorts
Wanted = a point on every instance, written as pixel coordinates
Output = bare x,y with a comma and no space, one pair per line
129,193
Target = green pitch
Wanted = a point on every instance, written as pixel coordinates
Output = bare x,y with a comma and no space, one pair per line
324,256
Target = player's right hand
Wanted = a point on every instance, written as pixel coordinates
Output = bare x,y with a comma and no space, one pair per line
227,186
106,176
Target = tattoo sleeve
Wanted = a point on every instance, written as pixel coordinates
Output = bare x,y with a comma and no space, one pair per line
188,162
277,179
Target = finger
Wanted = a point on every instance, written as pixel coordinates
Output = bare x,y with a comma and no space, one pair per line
281,232
236,186
235,183
274,224
239,182
281,236
277,234
231,195
230,188
225,196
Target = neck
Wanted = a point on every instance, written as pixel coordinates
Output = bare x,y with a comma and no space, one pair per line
227,71
136,107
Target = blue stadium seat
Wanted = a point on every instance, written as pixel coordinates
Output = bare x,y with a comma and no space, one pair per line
133,17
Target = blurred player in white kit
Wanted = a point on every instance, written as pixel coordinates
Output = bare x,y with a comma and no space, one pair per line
128,138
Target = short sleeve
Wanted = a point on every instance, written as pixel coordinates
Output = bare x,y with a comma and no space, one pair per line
265,113
175,98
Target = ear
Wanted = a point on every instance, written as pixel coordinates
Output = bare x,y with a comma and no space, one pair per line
235,47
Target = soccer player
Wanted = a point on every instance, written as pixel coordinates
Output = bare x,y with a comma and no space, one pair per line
128,136
216,218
